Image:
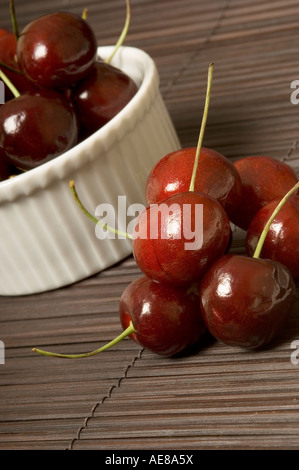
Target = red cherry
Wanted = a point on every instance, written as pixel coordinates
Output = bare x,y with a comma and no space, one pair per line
8,49
166,320
57,50
101,95
245,301
263,179
216,176
163,319
282,241
36,127
4,32
178,247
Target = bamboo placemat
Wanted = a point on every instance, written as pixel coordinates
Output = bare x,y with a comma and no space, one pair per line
127,398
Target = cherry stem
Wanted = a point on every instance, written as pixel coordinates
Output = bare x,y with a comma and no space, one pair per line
84,14
128,331
123,34
203,125
10,85
92,218
14,19
265,231
9,67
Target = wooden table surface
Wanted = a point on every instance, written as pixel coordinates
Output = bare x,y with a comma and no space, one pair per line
127,398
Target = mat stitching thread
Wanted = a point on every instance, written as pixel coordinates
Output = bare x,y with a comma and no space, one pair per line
109,394
290,151
197,51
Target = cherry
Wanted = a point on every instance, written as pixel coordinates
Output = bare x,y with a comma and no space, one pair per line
246,301
162,319
4,32
216,176
263,179
166,320
282,241
175,241
196,169
36,127
178,247
161,243
101,95
57,50
8,49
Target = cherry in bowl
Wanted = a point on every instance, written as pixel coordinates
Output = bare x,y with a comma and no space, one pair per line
56,50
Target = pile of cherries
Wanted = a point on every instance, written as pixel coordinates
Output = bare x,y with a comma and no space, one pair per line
58,90
185,293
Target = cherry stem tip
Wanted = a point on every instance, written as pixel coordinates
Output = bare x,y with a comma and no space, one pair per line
128,331
203,125
123,33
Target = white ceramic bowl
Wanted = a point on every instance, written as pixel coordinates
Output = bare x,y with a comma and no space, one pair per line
46,242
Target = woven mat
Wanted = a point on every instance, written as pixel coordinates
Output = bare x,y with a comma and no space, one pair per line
128,398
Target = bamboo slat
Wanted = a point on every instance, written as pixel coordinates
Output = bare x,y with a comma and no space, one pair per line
218,397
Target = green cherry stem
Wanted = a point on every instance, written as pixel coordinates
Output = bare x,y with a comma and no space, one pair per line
10,85
14,19
123,33
8,67
92,218
116,340
203,125
265,231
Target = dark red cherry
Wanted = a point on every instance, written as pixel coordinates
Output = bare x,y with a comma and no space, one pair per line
216,176
101,96
282,241
57,50
163,319
263,179
166,320
8,49
35,128
246,301
6,170
176,240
